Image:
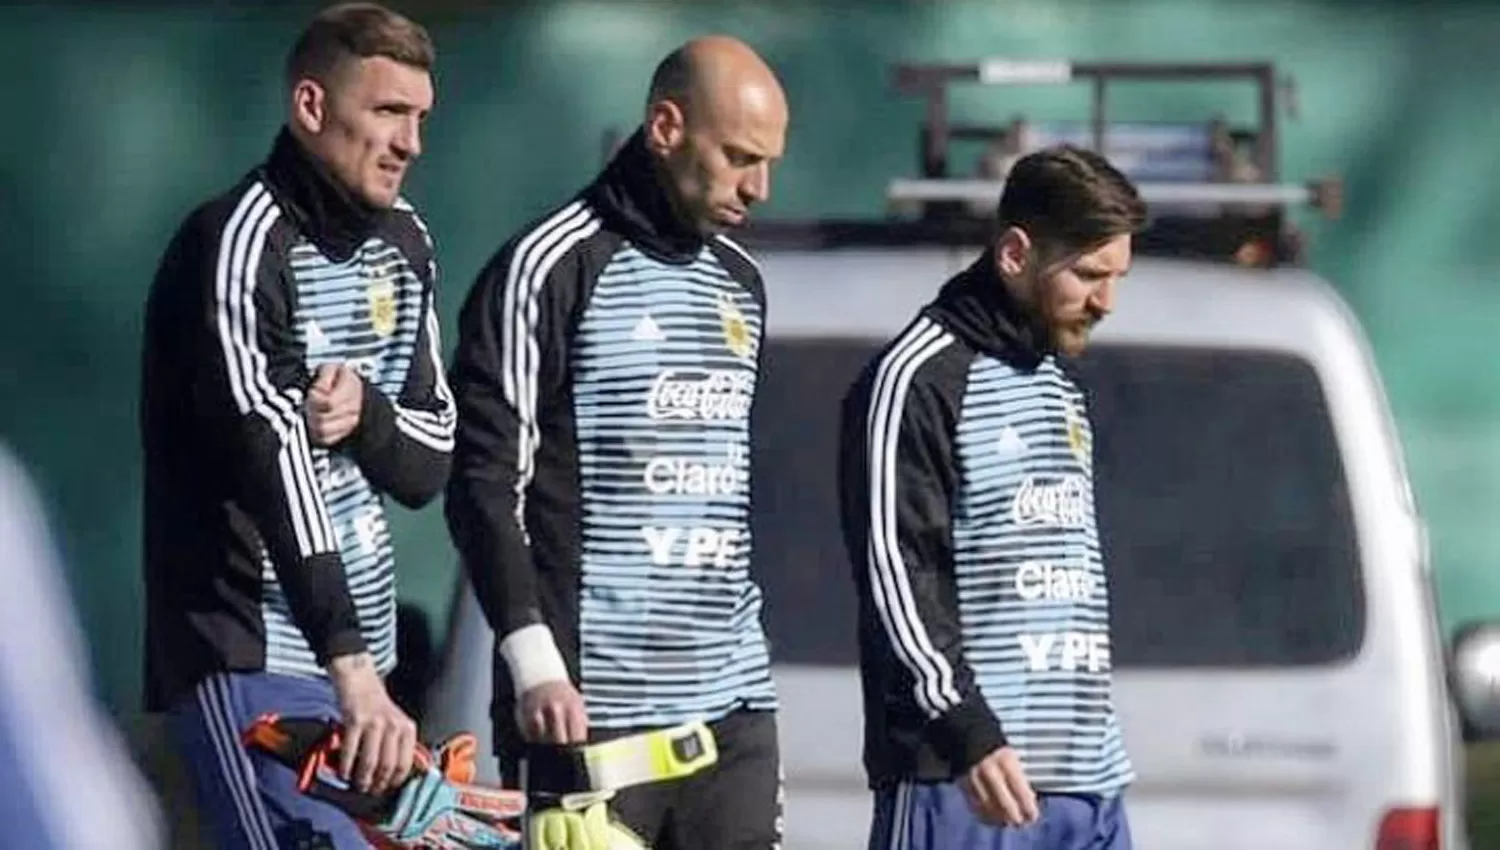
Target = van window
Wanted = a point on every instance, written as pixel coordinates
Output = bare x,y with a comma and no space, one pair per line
1222,500
1224,510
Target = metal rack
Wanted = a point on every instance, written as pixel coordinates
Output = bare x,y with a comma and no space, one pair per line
937,185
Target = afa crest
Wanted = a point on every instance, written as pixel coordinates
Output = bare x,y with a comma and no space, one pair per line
1080,441
736,329
381,297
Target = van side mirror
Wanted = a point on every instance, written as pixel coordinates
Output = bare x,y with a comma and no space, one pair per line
1474,678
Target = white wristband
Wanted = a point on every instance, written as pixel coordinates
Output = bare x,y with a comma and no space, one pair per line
532,657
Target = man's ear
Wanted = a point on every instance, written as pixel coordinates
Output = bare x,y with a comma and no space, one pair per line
666,125
310,105
1013,252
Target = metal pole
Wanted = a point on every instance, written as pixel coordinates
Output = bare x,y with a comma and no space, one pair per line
1099,84
1266,151
1154,193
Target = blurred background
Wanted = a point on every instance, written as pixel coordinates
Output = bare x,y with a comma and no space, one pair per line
120,117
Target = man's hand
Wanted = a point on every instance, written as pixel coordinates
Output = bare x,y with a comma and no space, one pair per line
998,790
552,713
379,739
333,404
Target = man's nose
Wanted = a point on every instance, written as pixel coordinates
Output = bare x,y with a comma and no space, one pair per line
408,140
1102,299
756,187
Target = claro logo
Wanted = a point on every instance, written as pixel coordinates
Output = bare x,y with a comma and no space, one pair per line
700,396
674,476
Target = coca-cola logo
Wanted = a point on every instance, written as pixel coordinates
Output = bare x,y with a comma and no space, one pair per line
1061,503
700,396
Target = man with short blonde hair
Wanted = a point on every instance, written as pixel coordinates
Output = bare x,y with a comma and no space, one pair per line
291,382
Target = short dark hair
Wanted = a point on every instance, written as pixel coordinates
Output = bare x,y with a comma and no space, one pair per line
1070,198
673,78
352,31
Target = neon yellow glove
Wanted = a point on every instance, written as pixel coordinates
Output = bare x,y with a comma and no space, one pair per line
581,822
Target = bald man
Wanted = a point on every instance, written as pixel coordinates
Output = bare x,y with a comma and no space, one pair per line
606,364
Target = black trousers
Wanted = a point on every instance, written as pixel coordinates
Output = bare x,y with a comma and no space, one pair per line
734,805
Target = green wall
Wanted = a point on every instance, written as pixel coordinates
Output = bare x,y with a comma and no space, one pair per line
118,121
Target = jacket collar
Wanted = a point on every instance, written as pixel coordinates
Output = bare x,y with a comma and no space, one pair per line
630,195
977,308
324,210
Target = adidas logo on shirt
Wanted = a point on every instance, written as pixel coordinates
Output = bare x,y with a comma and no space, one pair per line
317,341
1010,443
647,330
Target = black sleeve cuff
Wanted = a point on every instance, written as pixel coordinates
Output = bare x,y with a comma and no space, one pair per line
340,643
377,423
322,607
968,733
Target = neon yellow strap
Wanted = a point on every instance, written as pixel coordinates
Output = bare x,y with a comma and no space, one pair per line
655,756
581,821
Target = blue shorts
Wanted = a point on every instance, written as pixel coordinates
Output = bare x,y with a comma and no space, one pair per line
936,816
247,800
